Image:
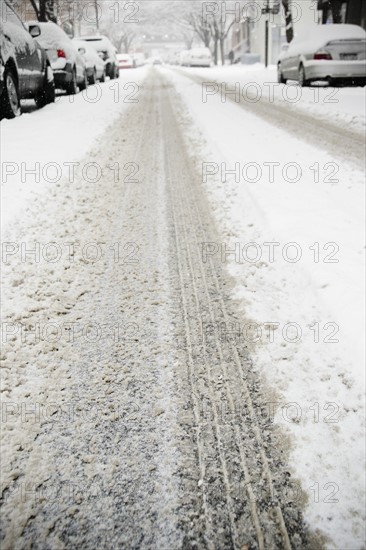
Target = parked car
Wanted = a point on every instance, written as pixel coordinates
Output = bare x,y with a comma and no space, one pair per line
125,61
67,64
95,69
107,51
25,70
199,57
335,53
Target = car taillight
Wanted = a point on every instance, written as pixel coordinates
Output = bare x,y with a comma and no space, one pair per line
322,55
61,53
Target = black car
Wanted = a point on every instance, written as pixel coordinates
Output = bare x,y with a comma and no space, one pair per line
25,71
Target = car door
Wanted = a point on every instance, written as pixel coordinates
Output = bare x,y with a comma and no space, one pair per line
284,59
291,61
76,58
27,52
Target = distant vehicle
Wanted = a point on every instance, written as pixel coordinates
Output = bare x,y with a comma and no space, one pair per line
25,70
125,61
67,64
139,59
95,69
104,47
199,57
335,53
157,61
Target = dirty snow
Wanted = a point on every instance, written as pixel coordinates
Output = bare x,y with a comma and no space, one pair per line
320,377
320,382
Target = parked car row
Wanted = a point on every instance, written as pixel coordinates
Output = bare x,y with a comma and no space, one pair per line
131,61
332,53
38,58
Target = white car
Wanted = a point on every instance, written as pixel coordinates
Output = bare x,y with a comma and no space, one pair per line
95,68
104,47
335,53
199,57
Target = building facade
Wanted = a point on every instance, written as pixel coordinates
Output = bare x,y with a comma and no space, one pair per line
248,35
344,11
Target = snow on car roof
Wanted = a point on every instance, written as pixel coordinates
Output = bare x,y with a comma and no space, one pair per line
98,42
200,50
319,35
85,45
334,31
51,34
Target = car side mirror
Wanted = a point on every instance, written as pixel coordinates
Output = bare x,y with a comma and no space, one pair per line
82,51
34,31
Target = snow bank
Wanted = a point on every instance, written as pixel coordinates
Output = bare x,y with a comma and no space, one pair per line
48,140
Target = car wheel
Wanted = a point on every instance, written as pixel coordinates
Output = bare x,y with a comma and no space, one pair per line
84,84
93,78
47,94
302,78
102,78
10,102
280,77
72,87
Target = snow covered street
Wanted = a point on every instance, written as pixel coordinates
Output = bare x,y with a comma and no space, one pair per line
183,325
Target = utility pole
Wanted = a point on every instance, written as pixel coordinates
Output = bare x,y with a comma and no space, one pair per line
266,11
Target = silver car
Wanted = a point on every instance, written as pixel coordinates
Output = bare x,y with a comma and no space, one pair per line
335,53
95,69
104,47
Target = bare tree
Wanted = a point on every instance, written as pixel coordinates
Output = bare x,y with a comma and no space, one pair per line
220,22
125,41
336,7
288,19
201,26
120,24
44,10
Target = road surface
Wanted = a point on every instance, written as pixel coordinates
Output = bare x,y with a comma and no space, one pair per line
147,423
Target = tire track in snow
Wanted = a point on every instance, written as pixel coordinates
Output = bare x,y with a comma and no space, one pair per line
338,141
194,226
